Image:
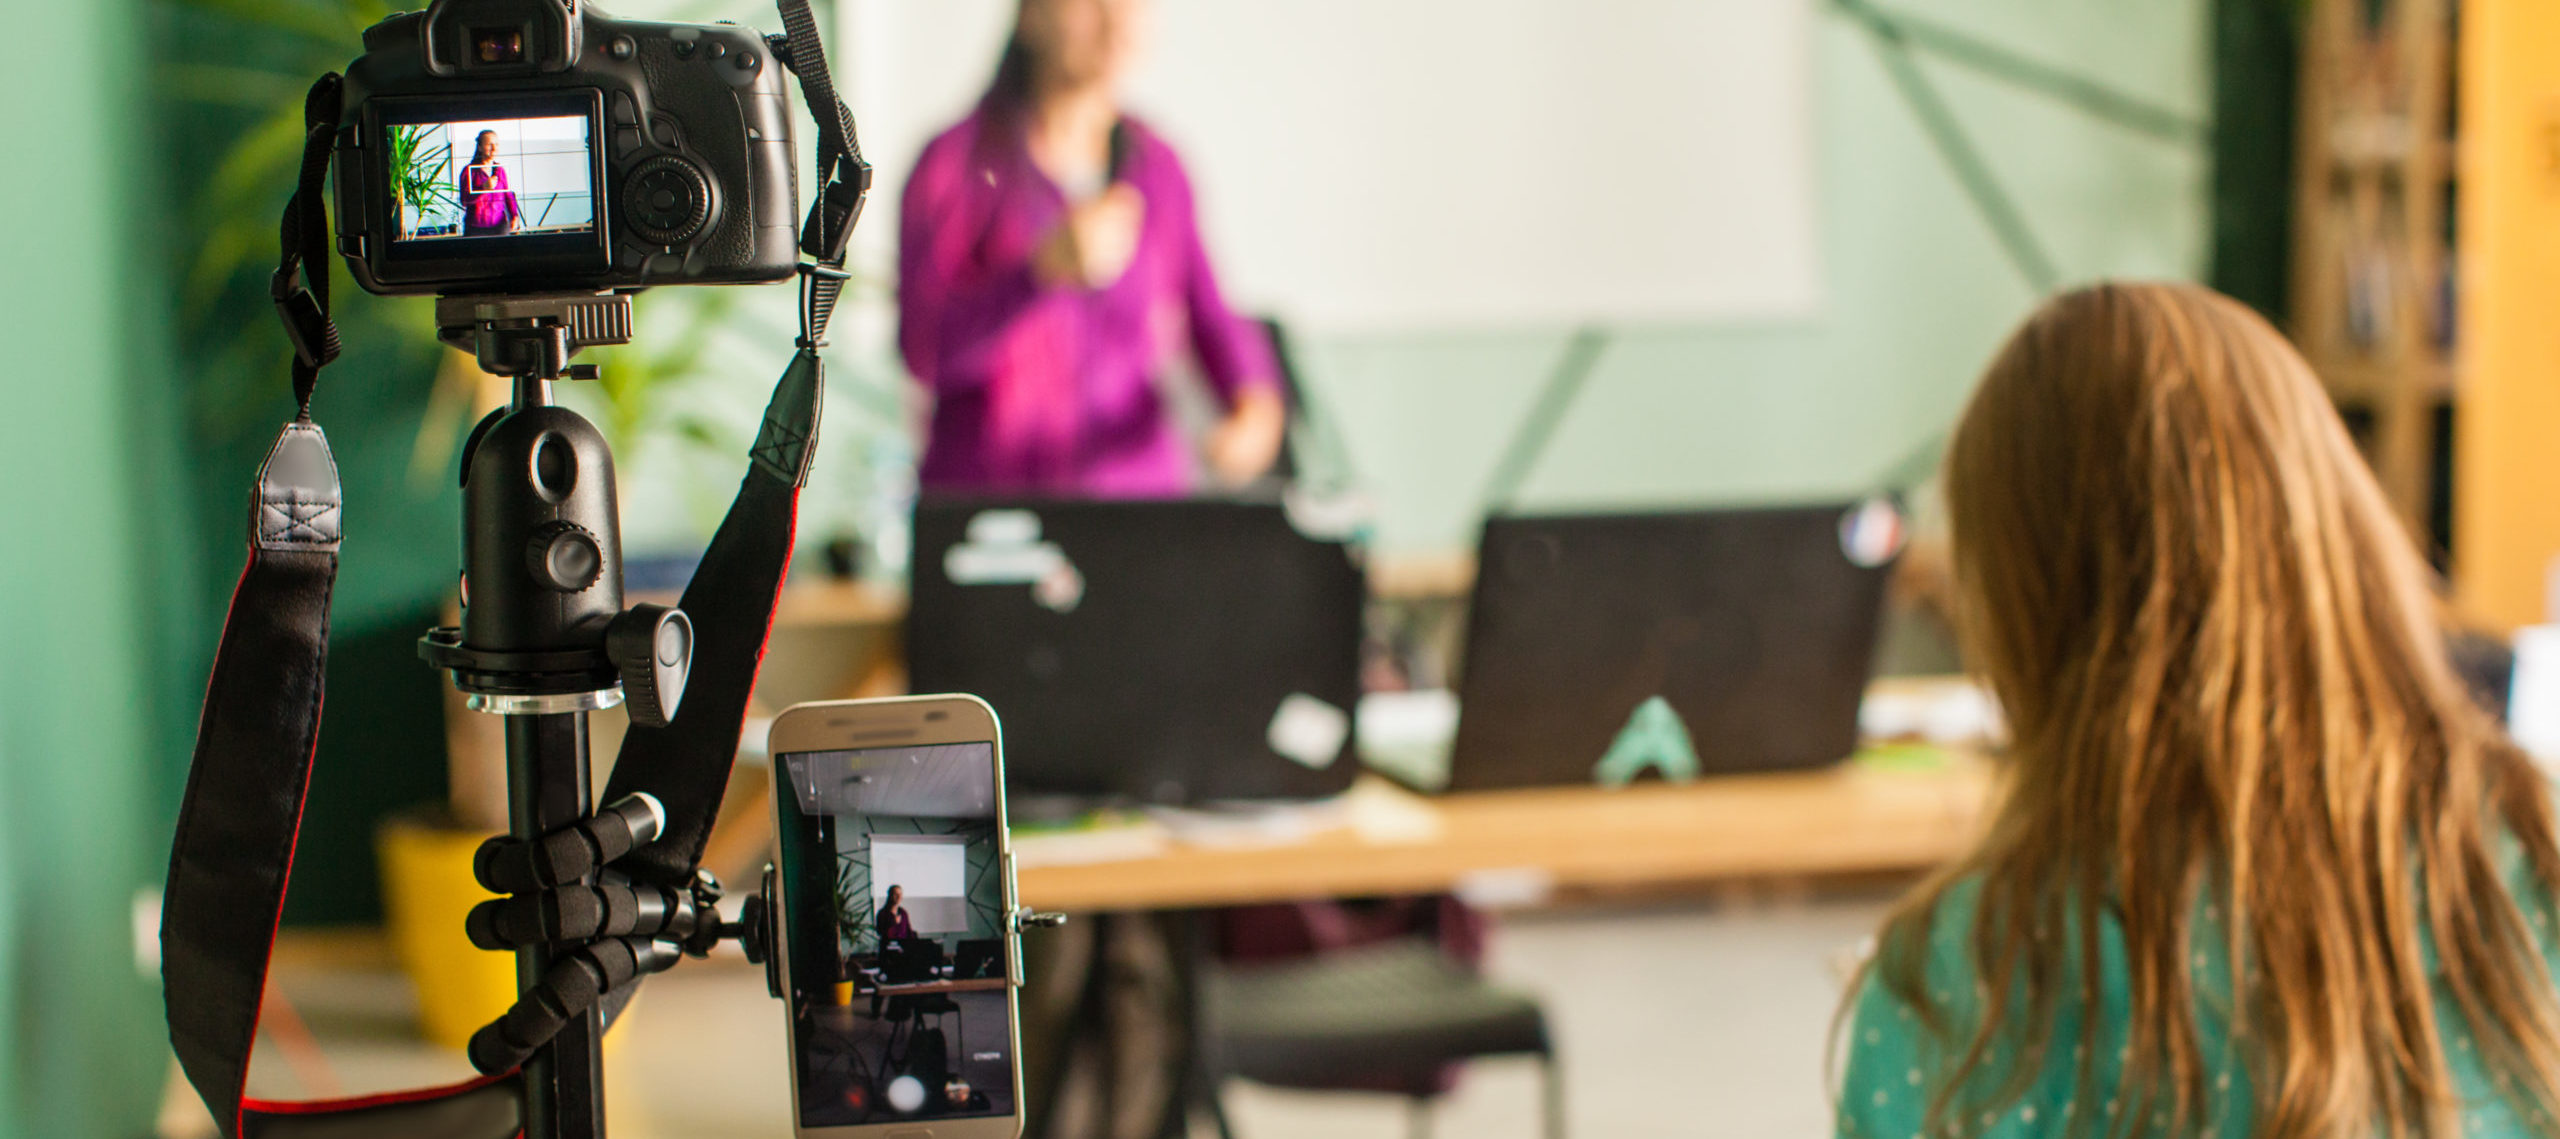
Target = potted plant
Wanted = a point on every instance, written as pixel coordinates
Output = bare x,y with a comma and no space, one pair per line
853,920
421,176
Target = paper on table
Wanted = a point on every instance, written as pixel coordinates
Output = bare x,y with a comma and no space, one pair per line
1939,709
1387,815
1251,824
1113,839
1407,735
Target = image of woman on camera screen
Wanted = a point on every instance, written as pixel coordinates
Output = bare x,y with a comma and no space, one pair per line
1051,270
488,205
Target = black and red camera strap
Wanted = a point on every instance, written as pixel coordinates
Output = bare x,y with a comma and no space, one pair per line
237,826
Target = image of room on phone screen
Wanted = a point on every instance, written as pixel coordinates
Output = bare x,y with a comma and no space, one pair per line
897,988
492,177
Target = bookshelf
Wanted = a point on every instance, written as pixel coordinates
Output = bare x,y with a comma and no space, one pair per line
2371,297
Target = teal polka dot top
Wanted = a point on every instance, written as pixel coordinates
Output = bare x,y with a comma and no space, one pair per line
1895,1067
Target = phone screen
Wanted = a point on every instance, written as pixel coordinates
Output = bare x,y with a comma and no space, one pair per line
900,1008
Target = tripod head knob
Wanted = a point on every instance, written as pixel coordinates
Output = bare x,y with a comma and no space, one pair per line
651,646
564,556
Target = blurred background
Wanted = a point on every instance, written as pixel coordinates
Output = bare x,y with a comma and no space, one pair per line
1528,257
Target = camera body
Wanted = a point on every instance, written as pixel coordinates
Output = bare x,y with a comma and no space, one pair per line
523,146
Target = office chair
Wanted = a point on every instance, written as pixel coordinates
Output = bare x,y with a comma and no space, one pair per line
1314,447
907,1015
907,961
1398,1010
1285,465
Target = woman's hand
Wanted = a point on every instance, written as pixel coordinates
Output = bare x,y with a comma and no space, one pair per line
1246,443
1092,246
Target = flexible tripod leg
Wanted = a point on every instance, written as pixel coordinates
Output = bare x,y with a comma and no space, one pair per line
547,788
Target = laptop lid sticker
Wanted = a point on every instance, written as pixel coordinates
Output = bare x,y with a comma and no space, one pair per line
1004,548
1328,516
1653,738
1871,533
1308,731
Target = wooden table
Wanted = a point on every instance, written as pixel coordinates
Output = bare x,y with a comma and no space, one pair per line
1855,818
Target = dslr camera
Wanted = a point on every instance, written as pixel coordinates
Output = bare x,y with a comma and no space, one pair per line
537,146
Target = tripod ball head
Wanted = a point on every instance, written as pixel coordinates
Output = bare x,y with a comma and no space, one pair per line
542,543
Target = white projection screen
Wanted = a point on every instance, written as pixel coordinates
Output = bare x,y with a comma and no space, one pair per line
1399,165
934,871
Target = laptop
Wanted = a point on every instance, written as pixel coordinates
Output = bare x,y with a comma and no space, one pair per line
1151,652
907,960
979,958
1604,647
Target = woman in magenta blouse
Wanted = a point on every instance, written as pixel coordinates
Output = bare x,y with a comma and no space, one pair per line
488,205
894,923
1050,270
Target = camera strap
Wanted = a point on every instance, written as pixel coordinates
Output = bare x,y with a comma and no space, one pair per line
732,594
232,856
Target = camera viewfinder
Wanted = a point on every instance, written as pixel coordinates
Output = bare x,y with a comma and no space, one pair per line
497,45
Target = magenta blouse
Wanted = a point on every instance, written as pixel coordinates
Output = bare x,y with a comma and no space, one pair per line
1052,390
486,200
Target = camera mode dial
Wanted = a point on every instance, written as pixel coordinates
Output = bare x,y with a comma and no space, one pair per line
667,199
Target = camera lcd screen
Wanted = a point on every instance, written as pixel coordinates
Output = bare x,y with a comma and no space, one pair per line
492,178
900,1006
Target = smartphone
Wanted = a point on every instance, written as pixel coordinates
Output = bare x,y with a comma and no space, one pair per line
898,949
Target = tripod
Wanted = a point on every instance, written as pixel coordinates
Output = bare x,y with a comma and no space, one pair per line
544,640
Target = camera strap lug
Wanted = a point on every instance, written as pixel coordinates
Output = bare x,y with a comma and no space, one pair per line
844,178
839,206
313,335
300,286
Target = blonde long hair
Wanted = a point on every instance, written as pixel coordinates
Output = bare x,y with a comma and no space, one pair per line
2224,667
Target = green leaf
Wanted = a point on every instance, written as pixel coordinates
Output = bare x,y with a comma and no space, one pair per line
260,168
326,22
226,249
231,86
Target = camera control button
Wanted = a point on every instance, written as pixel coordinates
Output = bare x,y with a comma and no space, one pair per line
627,141
624,47
747,61
716,50
666,200
625,112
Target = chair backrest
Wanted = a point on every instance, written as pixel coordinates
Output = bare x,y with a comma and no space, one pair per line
1293,391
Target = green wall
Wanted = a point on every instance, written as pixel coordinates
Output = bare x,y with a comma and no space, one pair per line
1918,295
226,89
87,608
